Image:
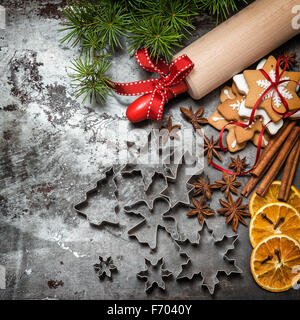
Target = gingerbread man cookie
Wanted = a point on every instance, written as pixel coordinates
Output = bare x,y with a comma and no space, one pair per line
272,127
218,121
265,139
229,109
246,134
227,93
258,84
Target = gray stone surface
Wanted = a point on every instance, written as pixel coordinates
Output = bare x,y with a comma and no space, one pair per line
53,149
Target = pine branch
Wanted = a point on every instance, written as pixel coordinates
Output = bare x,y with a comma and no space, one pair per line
111,23
90,78
79,20
98,26
154,34
219,8
176,13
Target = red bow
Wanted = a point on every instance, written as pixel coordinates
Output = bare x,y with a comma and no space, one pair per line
157,91
287,113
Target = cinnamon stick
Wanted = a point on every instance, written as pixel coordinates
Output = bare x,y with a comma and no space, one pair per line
278,162
289,172
271,149
253,180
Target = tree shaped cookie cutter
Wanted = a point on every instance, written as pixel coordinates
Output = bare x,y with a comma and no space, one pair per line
107,214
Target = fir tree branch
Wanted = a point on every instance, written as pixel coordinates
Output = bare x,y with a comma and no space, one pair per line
111,23
154,34
219,8
90,78
99,25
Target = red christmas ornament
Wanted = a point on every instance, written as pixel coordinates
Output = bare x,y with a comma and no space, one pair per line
157,91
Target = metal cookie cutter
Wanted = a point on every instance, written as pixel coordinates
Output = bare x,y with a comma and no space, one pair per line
154,274
169,250
105,189
208,258
105,267
143,164
178,188
150,219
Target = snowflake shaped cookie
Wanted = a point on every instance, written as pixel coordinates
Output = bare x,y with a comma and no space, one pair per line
258,84
282,88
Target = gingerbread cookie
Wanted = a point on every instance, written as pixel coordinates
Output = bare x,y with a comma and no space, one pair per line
218,121
240,82
273,127
265,139
232,144
246,134
257,84
227,93
229,109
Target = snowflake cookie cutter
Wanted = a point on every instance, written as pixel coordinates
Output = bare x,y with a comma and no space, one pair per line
145,167
178,189
169,250
154,273
108,208
202,259
105,268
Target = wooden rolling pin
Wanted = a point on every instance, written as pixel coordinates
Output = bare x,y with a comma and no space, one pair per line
228,49
239,42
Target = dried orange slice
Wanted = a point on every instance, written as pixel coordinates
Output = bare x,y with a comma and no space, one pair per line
274,218
275,263
256,202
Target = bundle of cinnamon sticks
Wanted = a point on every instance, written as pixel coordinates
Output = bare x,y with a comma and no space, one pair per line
284,148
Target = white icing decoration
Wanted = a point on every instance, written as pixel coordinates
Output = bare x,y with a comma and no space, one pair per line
226,92
265,84
265,141
240,80
272,127
233,145
295,115
261,64
217,118
236,105
241,83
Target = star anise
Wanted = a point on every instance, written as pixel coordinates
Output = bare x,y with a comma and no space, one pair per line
227,184
200,208
292,60
238,164
234,211
170,131
194,118
203,187
210,148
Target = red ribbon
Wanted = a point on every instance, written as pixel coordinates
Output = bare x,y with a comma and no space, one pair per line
286,114
157,91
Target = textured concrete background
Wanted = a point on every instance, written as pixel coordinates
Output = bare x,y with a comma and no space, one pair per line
53,149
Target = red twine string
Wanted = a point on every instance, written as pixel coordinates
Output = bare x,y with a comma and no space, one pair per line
286,114
170,83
